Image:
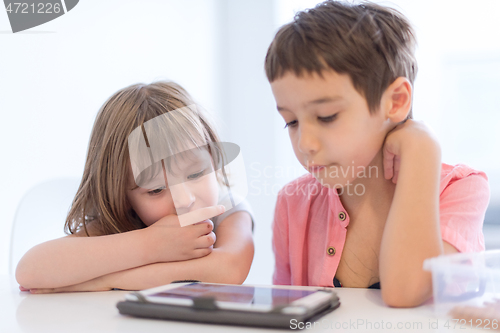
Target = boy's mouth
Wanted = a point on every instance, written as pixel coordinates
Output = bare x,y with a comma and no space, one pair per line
316,168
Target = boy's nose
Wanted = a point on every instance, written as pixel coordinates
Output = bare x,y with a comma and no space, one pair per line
182,197
308,142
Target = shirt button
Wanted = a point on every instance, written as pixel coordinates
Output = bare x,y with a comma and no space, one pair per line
331,250
342,216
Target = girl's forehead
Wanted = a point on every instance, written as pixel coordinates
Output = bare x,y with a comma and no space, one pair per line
173,169
193,155
159,138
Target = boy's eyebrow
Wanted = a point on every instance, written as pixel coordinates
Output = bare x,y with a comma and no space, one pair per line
321,100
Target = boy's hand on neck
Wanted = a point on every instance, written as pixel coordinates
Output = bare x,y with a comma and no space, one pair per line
412,159
406,138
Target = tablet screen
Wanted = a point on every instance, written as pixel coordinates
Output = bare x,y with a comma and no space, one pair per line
236,294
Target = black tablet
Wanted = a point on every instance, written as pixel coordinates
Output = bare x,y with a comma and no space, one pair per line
270,306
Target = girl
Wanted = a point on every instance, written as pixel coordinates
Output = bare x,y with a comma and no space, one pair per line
129,237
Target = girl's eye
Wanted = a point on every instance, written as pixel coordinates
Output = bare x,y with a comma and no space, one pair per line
329,118
196,175
291,124
156,191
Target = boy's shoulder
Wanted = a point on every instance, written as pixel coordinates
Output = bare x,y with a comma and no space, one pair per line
453,173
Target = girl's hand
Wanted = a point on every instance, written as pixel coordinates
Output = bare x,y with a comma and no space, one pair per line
97,284
400,139
168,241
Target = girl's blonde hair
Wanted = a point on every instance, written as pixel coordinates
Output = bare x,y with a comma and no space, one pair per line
101,197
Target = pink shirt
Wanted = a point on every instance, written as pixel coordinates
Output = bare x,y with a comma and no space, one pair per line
309,219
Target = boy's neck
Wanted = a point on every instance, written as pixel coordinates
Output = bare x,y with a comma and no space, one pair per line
376,190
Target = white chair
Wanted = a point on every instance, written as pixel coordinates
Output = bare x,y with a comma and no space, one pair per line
40,216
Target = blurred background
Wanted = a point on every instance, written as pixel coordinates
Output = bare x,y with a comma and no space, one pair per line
54,78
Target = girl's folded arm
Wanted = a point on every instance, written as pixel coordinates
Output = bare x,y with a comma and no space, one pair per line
229,262
72,260
75,259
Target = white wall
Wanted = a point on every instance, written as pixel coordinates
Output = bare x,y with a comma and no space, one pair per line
54,78
248,111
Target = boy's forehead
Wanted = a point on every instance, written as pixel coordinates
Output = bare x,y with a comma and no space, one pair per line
314,80
311,89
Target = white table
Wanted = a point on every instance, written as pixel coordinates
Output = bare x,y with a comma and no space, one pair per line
96,312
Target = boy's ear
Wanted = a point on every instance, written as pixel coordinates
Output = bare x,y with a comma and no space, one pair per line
397,99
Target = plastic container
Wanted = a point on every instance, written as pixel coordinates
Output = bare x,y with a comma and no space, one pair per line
464,279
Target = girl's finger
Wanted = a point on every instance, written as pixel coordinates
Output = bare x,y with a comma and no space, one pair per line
206,241
50,290
205,221
200,215
203,228
203,251
40,291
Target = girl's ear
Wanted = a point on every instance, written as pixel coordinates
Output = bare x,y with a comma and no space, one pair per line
398,97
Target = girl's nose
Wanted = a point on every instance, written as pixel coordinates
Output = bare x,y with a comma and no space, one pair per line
183,198
308,142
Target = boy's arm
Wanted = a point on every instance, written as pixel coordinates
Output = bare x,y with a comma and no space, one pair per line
229,262
412,232
73,259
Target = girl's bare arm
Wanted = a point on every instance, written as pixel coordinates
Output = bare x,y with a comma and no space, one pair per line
74,259
229,262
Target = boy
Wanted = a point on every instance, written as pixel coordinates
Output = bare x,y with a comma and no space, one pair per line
377,201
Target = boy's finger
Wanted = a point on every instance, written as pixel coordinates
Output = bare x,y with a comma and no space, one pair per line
397,163
388,165
200,215
395,178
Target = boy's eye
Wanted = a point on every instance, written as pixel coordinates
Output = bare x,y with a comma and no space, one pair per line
156,191
329,118
291,124
196,175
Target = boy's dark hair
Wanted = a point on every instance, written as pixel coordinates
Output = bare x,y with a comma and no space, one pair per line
371,43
